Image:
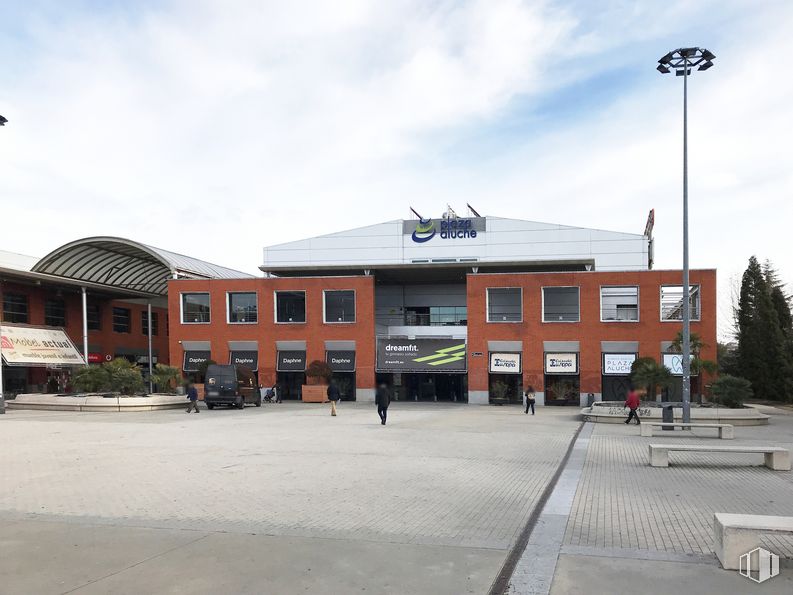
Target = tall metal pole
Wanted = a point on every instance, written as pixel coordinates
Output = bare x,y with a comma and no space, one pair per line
85,326
686,289
148,329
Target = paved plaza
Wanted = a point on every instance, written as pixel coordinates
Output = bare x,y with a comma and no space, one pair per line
286,499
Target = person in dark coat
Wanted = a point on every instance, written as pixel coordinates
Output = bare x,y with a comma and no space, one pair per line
383,398
530,400
333,395
633,402
192,395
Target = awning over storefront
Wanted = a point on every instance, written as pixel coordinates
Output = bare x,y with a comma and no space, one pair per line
194,359
291,361
36,346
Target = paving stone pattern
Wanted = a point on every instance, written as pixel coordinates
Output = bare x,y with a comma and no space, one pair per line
622,502
437,474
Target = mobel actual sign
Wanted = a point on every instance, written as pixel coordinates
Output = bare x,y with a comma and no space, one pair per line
561,363
31,346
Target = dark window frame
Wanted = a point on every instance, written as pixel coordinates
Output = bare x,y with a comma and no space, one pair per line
551,288
53,319
278,309
326,319
232,315
118,317
203,317
502,314
16,307
155,322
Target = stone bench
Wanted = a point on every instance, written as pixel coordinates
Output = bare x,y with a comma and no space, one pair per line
726,431
776,458
737,534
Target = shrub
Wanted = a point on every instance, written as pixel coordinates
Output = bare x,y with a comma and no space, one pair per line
649,374
319,369
166,377
731,391
91,379
124,376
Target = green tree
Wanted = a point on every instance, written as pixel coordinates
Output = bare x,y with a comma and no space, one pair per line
91,379
649,374
765,353
731,391
125,377
166,377
697,363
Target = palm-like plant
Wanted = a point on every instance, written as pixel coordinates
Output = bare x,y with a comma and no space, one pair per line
166,377
697,364
649,374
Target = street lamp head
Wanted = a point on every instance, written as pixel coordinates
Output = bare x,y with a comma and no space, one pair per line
682,60
683,71
705,65
3,121
708,55
662,69
666,59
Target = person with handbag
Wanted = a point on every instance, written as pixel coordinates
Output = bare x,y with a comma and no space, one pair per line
530,399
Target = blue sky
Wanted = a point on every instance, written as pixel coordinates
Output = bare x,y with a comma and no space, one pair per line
164,121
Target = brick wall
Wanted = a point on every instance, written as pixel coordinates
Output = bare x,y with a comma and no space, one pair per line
314,331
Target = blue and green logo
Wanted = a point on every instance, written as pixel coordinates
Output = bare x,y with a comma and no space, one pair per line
448,355
425,231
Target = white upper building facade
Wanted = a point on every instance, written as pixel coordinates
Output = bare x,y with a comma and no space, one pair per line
463,241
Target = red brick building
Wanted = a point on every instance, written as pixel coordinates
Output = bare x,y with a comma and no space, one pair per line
453,309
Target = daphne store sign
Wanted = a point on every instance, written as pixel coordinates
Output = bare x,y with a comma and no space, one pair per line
505,363
561,363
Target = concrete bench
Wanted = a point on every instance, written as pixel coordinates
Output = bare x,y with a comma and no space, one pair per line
775,458
726,431
737,534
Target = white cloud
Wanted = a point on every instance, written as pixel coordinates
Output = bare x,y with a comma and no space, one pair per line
215,128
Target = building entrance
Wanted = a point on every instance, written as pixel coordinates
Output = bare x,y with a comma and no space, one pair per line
615,388
427,387
505,388
345,381
562,390
290,385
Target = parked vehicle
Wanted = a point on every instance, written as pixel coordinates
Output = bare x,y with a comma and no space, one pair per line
230,385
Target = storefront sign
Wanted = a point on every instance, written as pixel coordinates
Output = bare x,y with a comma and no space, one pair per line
291,361
194,359
505,363
28,346
561,363
618,364
674,361
421,355
341,361
95,358
454,228
247,359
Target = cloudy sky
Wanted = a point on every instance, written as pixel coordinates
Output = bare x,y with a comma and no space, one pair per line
215,128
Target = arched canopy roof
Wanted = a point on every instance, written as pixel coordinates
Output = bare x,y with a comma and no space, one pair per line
122,263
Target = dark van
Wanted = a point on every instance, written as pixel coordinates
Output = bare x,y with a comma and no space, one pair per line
230,385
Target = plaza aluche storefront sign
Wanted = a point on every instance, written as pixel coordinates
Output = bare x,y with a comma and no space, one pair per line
30,346
618,364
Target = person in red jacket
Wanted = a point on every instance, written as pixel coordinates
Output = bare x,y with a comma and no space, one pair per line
632,402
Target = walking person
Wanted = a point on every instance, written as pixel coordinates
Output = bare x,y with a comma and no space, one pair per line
192,395
633,402
383,398
530,399
334,395
277,393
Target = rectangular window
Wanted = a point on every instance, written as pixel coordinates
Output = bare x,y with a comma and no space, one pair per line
242,308
448,315
15,307
504,304
619,304
55,312
560,304
672,302
144,323
195,308
121,320
94,317
339,305
290,306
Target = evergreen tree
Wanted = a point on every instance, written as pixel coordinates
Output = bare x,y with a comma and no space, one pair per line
765,351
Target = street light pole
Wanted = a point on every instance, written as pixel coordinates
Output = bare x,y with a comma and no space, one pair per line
682,60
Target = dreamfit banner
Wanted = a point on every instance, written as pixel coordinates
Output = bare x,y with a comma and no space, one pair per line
674,361
421,355
618,364
29,346
505,363
561,363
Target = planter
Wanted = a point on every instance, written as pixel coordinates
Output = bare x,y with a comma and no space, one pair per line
315,393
